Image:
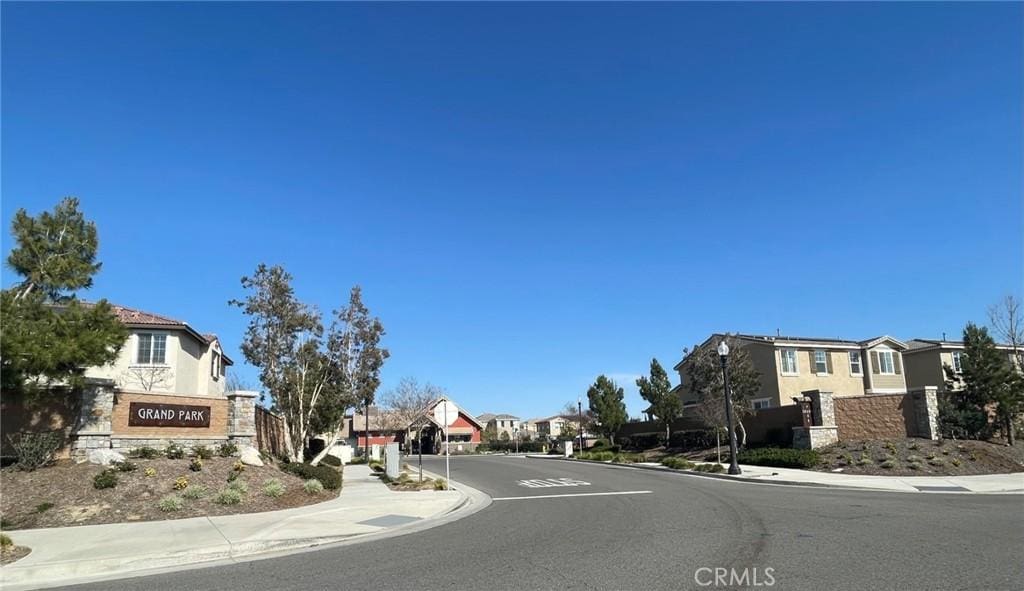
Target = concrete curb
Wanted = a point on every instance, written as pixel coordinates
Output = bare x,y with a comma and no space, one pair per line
742,479
80,572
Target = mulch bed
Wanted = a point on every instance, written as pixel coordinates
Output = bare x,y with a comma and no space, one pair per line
14,554
63,494
921,457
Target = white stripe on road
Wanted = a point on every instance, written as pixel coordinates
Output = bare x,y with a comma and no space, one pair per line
600,494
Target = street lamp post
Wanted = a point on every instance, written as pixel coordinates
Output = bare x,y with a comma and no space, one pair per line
579,408
723,355
515,433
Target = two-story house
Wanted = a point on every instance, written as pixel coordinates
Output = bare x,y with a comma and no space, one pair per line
553,426
791,365
166,356
925,360
503,423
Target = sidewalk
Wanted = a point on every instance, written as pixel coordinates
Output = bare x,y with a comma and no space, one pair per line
366,506
981,484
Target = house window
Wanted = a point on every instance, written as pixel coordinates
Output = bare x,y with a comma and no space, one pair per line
215,366
957,365
855,367
789,366
885,363
759,403
820,362
152,349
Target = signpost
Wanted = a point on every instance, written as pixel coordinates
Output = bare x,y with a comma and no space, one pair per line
445,414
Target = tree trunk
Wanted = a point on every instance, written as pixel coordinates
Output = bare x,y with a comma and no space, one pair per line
289,443
327,448
743,433
1008,426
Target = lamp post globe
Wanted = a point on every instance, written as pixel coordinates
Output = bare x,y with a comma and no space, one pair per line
723,356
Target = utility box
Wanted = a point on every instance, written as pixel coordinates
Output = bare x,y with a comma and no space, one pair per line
568,449
392,460
375,452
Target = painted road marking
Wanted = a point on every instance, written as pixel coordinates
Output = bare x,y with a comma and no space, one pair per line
551,482
600,494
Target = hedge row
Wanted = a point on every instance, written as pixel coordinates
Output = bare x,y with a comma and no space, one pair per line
329,477
779,457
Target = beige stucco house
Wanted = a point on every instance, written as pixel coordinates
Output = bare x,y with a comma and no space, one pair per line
926,358
552,426
791,365
503,423
165,356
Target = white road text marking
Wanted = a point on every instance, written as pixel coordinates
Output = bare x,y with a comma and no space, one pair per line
551,482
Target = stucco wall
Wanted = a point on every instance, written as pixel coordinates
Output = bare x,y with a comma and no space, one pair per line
839,381
883,416
880,381
924,368
218,416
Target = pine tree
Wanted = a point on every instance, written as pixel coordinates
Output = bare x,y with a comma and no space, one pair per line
989,381
606,402
48,337
657,390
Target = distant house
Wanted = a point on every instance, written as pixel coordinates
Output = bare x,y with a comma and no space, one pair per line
502,423
553,426
166,356
791,365
384,427
925,360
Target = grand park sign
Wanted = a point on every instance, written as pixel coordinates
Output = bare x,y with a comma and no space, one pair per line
147,414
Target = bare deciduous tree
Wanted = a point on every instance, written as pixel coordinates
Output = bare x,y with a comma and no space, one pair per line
407,402
146,378
1007,323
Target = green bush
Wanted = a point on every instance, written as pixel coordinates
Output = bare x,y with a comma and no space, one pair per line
597,456
145,453
956,462
677,463
359,460
126,466
312,487
273,488
202,452
888,464
376,466
194,492
35,450
196,465
239,485
226,450
5,542
174,452
779,457
329,477
105,479
170,503
44,507
712,468
440,484
331,461
228,496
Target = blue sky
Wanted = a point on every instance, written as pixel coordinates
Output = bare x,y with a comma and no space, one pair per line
533,194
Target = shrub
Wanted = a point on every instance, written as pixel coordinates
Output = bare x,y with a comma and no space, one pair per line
376,466
362,459
713,468
149,472
865,461
702,439
239,485
44,507
203,453
181,483
599,445
105,479
174,452
956,462
329,477
677,463
228,496
888,464
331,460
914,465
238,466
5,542
196,465
780,457
35,450
936,461
226,450
273,488
126,466
312,487
145,453
195,492
914,458
170,503
440,484
914,445
232,476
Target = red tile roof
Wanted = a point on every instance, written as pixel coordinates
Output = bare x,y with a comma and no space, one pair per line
133,317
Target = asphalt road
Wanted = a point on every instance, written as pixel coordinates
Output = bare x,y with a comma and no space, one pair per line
658,531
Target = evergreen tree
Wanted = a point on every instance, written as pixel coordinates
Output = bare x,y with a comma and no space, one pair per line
989,382
606,402
48,337
657,390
